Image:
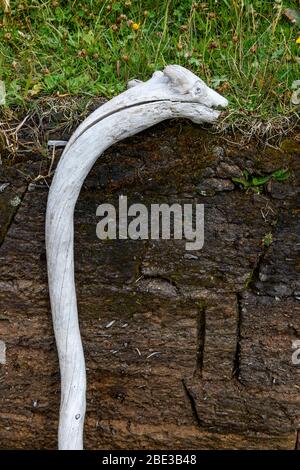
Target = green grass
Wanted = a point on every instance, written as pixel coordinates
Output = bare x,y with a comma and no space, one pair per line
245,49
256,182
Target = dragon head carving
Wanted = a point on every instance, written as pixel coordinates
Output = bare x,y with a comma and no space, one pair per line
178,84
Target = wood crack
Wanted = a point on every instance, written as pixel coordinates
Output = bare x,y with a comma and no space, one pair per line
237,356
201,326
13,216
297,444
192,402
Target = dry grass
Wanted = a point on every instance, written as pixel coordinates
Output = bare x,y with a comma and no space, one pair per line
25,135
57,56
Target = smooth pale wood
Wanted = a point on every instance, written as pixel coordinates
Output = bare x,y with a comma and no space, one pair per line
176,92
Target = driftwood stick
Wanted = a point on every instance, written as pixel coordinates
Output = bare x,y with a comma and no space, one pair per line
175,92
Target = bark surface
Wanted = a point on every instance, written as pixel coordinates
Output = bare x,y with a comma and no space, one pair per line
187,350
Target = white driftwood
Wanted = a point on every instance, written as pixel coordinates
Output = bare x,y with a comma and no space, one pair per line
57,143
173,93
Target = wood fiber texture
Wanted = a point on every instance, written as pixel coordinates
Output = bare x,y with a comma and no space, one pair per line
199,354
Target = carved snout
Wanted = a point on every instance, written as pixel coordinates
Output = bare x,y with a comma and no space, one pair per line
215,100
187,83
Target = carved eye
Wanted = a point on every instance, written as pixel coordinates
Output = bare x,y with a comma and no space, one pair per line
199,88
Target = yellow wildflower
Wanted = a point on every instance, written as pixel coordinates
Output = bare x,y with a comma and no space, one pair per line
298,40
135,26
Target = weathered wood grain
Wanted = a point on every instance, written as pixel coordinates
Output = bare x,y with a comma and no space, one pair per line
223,322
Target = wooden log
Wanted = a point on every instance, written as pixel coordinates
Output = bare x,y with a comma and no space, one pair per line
223,321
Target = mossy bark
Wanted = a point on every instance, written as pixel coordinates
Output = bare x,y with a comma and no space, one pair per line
199,355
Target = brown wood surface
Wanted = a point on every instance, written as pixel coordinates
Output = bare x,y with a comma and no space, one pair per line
220,322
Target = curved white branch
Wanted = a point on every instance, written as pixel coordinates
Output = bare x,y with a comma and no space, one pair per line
176,92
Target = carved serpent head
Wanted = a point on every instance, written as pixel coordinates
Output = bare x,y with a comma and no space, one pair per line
178,84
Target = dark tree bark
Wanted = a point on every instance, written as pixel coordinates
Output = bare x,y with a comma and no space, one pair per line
199,354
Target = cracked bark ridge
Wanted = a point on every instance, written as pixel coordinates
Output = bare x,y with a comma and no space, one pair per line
188,350
13,187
